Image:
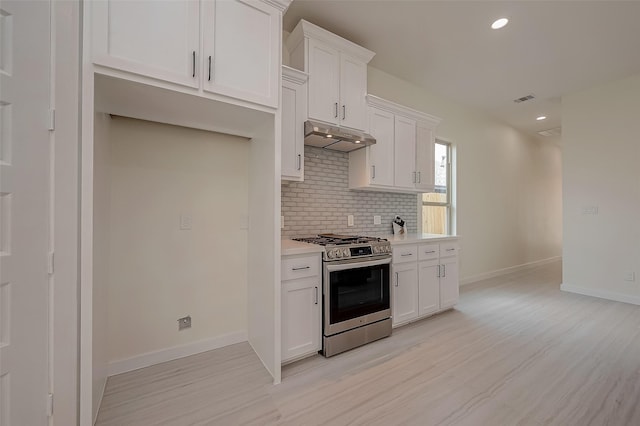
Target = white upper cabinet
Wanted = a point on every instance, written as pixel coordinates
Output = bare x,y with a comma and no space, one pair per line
240,39
402,158
381,127
425,140
159,39
294,112
405,153
353,92
240,45
325,85
337,71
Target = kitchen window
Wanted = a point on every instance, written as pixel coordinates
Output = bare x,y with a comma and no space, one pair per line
436,205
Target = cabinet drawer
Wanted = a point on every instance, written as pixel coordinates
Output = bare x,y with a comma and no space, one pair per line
405,253
449,249
428,251
300,267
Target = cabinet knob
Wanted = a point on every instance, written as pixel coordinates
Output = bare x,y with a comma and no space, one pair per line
193,58
397,279
336,105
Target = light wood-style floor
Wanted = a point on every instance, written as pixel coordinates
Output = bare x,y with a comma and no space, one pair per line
515,351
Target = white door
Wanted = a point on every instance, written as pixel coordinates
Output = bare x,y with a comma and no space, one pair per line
353,89
405,153
429,287
241,50
381,125
405,292
159,39
324,78
424,158
449,285
301,317
24,211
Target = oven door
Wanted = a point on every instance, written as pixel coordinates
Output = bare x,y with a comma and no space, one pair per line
356,293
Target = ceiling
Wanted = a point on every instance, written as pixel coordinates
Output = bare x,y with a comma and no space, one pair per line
548,49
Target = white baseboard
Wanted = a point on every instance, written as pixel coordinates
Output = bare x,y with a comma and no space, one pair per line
509,270
175,352
603,294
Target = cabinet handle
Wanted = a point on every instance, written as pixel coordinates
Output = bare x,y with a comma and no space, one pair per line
406,254
415,180
419,178
344,112
430,251
444,271
299,162
301,268
397,279
373,172
336,105
316,295
209,68
450,249
438,271
193,59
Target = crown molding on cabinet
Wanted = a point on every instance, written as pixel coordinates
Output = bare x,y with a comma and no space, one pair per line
293,75
402,110
281,5
309,30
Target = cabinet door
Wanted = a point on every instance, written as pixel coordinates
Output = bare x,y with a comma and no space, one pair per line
381,125
405,152
324,79
158,39
405,292
241,50
353,89
294,106
424,158
449,286
428,287
301,317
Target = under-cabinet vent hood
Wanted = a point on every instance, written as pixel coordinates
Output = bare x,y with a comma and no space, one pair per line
335,138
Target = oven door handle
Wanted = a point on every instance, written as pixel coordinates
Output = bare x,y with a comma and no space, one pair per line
355,265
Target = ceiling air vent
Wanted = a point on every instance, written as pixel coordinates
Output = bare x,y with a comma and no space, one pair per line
551,132
524,99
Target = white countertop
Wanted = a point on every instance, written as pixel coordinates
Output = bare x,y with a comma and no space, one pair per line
414,238
289,247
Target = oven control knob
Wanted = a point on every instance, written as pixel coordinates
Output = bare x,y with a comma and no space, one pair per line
338,253
330,254
345,252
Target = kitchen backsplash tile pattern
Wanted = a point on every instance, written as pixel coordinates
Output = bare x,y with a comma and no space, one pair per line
322,202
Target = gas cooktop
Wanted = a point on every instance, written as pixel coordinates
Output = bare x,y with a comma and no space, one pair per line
336,240
343,247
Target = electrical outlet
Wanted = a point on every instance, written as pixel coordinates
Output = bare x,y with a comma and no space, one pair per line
377,220
184,322
281,222
350,220
590,210
186,222
630,276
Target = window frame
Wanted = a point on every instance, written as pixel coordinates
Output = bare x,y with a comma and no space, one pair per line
449,189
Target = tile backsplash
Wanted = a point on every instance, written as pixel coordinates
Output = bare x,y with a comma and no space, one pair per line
322,202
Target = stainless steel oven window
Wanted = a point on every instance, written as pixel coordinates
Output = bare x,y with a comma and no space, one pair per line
356,294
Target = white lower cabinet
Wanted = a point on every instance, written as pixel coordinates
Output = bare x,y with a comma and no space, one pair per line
405,292
425,280
301,306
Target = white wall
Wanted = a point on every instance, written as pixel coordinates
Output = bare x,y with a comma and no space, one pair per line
601,153
508,185
158,272
264,250
101,237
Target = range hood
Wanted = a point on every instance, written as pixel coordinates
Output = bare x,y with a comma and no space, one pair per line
335,138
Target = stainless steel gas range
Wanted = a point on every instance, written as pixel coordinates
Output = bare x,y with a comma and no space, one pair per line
356,290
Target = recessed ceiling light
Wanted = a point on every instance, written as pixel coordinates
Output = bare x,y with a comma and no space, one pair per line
542,117
499,23
329,136
357,141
